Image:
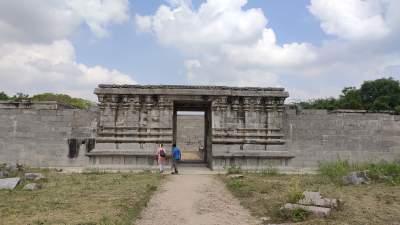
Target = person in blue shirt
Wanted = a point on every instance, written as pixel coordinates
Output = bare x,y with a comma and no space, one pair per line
176,156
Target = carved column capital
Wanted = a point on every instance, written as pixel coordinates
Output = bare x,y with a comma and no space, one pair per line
246,103
235,104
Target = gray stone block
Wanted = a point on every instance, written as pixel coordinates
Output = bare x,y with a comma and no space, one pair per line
9,183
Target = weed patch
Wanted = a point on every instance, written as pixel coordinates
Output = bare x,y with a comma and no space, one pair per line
295,193
295,215
233,169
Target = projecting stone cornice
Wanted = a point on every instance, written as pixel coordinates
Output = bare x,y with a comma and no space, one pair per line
189,90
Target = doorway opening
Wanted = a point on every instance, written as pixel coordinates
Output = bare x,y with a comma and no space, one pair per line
192,131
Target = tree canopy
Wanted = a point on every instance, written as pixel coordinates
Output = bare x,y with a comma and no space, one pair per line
63,98
376,95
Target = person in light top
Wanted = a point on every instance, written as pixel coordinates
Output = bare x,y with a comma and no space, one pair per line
161,157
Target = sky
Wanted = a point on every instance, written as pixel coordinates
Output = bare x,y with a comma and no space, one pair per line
312,48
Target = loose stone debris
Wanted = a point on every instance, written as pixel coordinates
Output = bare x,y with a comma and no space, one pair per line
235,176
34,176
9,183
314,203
356,178
315,210
315,199
32,187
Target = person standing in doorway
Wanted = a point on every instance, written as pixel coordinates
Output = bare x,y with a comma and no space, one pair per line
161,157
176,156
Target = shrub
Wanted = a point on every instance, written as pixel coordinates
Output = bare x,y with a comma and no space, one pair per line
386,171
295,193
295,215
269,172
334,171
233,169
235,184
299,215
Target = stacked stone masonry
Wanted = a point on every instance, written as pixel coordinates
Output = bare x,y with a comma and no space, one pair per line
37,134
244,124
247,127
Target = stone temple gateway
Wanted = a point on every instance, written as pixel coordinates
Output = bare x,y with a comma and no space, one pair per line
246,127
242,126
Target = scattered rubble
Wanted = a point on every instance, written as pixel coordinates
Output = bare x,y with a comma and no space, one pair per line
34,176
235,176
315,210
315,199
356,178
32,187
9,183
314,203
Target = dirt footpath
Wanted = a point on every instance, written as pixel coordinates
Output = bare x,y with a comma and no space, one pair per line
195,200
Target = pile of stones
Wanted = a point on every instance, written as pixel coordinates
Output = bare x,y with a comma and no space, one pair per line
356,178
314,203
10,177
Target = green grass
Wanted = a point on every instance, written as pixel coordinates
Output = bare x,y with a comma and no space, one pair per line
378,172
89,198
375,203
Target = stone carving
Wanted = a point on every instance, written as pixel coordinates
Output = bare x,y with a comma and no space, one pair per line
136,118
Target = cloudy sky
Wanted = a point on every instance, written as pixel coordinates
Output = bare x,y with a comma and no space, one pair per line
313,48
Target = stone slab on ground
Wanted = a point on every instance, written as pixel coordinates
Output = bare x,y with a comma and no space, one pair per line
9,183
354,178
195,200
32,187
315,199
315,210
34,176
235,176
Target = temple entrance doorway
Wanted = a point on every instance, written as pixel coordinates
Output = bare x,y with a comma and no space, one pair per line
192,131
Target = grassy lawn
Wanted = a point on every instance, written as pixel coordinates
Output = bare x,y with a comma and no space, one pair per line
91,198
374,204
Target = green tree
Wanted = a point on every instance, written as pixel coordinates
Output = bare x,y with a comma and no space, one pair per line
4,96
63,98
350,99
20,97
322,103
380,94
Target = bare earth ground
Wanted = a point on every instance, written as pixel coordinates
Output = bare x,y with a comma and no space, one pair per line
195,200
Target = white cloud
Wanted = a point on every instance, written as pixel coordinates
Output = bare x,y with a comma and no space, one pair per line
352,19
265,52
216,22
35,55
226,43
97,14
33,68
49,20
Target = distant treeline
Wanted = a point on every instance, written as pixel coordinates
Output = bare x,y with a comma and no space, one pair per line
63,98
377,95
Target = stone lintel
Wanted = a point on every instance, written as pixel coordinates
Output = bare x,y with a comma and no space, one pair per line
104,89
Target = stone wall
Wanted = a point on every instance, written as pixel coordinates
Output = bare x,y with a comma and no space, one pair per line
313,136
318,135
37,134
190,132
41,134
